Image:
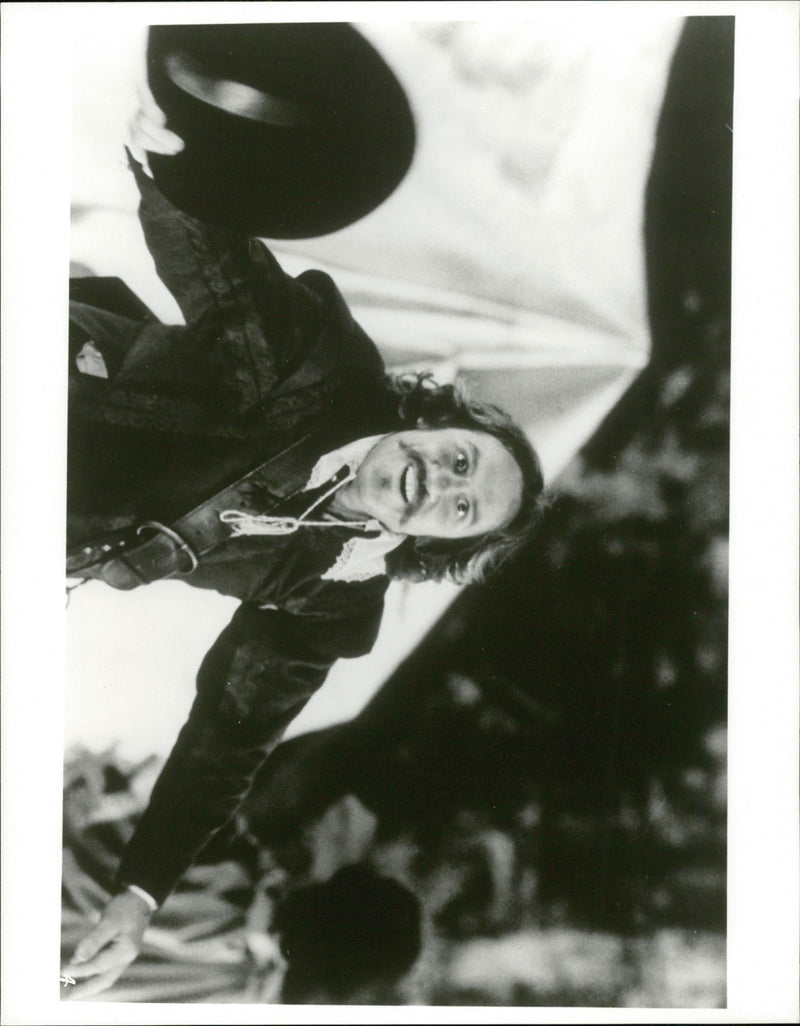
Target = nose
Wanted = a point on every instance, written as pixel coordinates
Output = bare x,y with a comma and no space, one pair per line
440,481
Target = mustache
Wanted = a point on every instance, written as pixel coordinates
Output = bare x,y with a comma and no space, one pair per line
422,492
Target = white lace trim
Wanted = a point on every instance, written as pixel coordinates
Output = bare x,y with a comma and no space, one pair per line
351,455
363,558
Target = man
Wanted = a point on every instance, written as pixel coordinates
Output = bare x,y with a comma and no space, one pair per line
260,450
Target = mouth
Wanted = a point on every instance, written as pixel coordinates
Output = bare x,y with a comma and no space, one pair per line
412,482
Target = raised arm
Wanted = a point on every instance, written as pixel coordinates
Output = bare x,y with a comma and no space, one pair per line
240,307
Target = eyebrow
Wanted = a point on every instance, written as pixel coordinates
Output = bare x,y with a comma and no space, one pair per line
474,504
474,459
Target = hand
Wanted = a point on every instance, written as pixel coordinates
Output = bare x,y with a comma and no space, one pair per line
110,947
147,131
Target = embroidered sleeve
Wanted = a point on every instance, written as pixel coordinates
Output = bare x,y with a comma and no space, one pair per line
257,677
250,318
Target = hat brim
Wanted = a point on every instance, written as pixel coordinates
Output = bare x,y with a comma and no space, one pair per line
332,139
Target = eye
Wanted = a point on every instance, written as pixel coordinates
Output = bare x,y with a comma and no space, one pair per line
462,508
461,463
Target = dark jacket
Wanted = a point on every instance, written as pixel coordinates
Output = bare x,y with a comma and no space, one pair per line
263,360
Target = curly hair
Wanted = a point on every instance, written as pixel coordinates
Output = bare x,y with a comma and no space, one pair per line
422,403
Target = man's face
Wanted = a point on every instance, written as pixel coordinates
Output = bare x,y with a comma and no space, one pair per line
439,483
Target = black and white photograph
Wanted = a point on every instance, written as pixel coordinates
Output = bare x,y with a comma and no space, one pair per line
395,651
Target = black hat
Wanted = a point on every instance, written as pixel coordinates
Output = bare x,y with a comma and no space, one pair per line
290,131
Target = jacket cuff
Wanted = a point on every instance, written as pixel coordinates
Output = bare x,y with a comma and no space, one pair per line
148,899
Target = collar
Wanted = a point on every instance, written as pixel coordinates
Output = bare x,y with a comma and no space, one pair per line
363,555
350,456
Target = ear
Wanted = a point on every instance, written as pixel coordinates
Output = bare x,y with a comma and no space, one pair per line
422,424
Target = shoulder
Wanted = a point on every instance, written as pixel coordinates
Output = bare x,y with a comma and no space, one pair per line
337,618
355,349
329,621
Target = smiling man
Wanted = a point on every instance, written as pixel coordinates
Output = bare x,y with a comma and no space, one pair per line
262,451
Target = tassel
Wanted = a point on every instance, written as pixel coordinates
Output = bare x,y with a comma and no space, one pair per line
247,523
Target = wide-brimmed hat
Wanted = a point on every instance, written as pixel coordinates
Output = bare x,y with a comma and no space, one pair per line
290,131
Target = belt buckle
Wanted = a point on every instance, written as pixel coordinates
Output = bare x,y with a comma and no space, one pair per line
176,539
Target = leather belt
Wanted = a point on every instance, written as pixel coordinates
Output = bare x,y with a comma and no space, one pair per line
153,551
